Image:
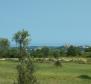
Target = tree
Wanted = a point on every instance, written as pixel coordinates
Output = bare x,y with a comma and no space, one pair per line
62,51
25,66
88,49
56,54
22,39
73,51
4,45
38,53
45,51
13,52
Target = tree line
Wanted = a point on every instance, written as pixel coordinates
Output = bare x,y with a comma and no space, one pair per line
6,51
63,51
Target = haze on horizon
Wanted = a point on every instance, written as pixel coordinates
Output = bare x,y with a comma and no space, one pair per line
50,22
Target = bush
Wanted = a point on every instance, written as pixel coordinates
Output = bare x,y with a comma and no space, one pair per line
84,77
25,72
58,63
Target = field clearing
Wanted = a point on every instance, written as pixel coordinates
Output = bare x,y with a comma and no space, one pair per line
48,73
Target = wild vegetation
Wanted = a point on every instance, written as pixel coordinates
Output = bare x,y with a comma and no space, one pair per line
25,67
7,51
44,64
70,73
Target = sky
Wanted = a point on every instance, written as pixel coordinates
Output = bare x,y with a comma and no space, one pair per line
50,22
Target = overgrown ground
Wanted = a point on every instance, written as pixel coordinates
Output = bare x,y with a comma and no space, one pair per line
70,73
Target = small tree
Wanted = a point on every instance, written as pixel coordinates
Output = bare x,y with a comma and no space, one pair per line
25,66
22,39
4,46
56,55
4,43
45,51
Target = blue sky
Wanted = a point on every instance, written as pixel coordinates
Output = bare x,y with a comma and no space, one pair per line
50,22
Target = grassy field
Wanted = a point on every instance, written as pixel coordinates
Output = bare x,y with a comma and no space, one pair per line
70,73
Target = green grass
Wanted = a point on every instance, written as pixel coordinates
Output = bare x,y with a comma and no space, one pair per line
48,73
7,72
68,74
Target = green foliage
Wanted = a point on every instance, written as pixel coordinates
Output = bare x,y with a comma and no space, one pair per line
4,47
62,52
45,51
22,38
25,67
58,63
13,53
25,72
40,52
73,51
4,43
84,77
56,54
88,49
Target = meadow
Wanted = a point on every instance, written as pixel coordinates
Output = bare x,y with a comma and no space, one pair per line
47,73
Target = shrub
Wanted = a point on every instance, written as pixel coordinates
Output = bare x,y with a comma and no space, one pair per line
84,77
58,63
